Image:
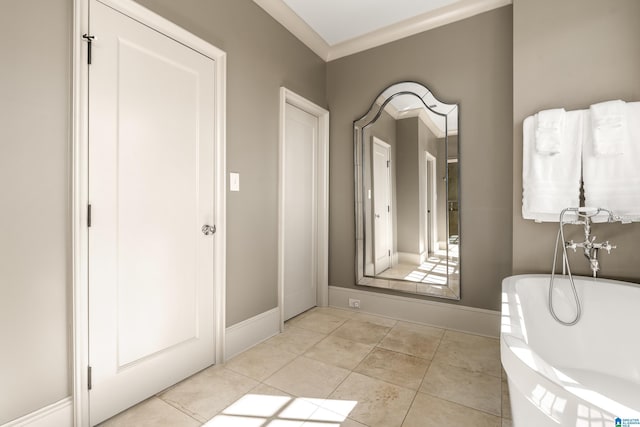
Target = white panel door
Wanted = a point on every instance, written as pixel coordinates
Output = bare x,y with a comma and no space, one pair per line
300,211
430,185
381,206
151,188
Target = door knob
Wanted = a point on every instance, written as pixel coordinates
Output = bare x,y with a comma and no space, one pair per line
208,230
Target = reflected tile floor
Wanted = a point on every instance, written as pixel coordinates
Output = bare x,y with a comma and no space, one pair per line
339,368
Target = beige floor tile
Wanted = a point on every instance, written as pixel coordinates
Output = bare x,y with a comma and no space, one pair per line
339,352
377,403
338,312
306,377
208,392
239,421
295,340
397,368
362,331
267,390
260,361
429,411
472,389
152,413
472,352
318,321
376,320
415,340
346,423
507,422
326,418
506,402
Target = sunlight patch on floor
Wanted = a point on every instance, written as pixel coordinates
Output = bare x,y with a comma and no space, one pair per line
257,410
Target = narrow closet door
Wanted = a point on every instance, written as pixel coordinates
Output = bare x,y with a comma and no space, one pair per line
300,211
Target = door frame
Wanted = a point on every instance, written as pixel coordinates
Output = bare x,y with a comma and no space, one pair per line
322,197
80,177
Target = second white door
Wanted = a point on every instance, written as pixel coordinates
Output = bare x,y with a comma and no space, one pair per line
300,219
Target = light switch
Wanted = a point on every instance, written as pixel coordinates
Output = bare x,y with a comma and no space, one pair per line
234,181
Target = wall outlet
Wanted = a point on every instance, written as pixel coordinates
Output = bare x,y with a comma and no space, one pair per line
354,303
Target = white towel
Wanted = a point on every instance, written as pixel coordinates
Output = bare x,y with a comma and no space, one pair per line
609,126
613,182
549,131
552,183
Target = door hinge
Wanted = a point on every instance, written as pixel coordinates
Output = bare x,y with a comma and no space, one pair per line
89,216
388,163
389,252
388,208
89,382
89,39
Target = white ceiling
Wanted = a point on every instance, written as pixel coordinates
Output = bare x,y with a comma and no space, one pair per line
337,28
337,21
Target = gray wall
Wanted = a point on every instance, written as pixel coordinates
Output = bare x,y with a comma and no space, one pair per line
467,62
35,39
261,57
407,180
571,54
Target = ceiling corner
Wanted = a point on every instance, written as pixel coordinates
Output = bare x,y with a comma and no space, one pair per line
296,26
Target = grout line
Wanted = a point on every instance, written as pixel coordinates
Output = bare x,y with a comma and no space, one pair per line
179,409
410,406
462,404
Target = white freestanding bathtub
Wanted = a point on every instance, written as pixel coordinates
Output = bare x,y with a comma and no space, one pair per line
582,375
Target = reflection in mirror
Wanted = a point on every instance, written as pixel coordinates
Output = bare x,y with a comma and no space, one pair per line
407,188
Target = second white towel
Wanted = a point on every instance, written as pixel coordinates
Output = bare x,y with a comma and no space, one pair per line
610,181
610,135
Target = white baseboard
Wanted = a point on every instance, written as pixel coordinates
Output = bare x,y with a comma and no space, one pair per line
59,414
250,332
450,316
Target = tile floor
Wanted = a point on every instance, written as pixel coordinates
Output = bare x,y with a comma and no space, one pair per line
334,368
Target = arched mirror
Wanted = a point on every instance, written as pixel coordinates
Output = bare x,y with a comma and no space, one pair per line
407,193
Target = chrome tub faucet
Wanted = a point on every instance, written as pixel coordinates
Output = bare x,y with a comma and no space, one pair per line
589,244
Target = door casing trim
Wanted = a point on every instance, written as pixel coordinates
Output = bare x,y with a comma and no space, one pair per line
322,238
80,175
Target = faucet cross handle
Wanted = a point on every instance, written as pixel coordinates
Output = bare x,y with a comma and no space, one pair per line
571,245
608,246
